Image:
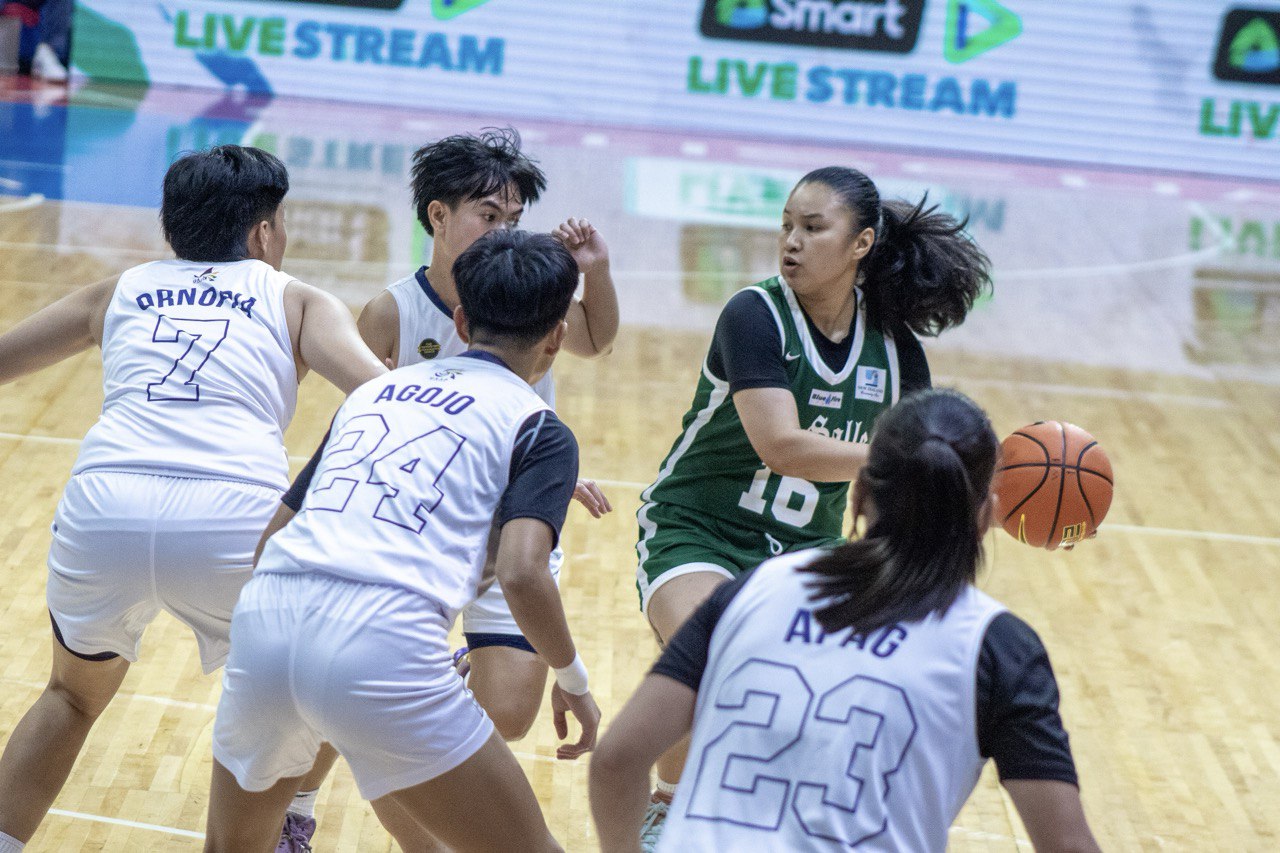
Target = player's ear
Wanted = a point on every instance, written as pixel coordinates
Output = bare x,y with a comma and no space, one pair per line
555,338
863,242
988,512
460,323
437,214
258,239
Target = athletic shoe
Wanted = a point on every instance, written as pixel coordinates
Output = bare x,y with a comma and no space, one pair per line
296,835
652,826
46,65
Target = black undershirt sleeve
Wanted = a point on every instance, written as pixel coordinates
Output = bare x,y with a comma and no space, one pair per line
1017,704
298,491
746,350
685,657
544,473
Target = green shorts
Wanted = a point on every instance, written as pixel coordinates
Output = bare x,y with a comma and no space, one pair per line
677,541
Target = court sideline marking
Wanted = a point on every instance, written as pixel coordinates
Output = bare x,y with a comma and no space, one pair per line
187,833
637,487
1211,535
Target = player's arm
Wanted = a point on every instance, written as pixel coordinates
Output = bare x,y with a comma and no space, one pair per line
379,326
284,515
1053,815
593,319
325,338
772,423
291,501
657,715
747,350
55,332
1019,727
544,473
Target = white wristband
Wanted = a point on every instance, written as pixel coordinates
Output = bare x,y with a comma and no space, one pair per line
573,678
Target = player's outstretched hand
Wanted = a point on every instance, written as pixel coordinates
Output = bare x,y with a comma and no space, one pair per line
583,242
589,495
587,713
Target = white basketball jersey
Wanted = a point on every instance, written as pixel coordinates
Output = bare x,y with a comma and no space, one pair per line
198,374
407,488
427,331
806,741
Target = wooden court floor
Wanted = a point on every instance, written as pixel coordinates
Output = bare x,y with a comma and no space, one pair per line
1162,630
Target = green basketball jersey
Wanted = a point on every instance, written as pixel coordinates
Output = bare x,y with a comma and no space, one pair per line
713,469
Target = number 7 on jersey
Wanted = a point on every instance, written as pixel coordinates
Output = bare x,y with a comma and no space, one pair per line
204,336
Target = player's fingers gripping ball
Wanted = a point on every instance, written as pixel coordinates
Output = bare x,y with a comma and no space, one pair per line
1054,485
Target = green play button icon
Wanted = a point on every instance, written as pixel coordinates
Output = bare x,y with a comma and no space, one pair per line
967,36
443,10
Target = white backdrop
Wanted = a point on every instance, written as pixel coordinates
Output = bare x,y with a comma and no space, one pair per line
1131,84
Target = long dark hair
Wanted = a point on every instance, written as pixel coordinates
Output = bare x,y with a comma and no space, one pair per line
928,477
923,271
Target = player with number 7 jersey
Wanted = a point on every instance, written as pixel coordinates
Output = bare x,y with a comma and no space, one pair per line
202,355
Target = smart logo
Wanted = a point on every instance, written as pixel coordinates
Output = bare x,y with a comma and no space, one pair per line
742,14
441,10
1249,48
964,40
890,26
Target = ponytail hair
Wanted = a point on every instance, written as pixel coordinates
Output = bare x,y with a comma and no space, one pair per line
923,271
928,478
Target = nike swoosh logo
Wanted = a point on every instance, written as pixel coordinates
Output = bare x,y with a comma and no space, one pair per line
791,356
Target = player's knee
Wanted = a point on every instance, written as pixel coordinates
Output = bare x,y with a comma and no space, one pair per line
512,719
87,707
225,837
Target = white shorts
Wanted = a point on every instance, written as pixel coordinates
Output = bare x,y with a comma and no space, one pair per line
126,546
365,667
487,621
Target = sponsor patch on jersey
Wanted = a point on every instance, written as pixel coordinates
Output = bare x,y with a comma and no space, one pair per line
446,374
826,399
429,348
209,276
871,384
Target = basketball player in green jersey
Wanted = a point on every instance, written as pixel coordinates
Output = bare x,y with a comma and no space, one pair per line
800,367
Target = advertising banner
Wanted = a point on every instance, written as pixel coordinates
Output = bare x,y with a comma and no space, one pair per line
1176,85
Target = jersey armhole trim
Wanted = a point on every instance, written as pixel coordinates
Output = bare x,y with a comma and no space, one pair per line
994,609
777,318
285,337
895,372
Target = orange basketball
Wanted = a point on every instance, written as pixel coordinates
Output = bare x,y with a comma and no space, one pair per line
1054,484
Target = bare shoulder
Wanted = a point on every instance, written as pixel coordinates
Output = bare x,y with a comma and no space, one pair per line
98,296
380,324
300,296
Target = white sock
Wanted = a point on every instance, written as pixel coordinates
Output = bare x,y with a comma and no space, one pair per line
304,803
667,788
9,844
